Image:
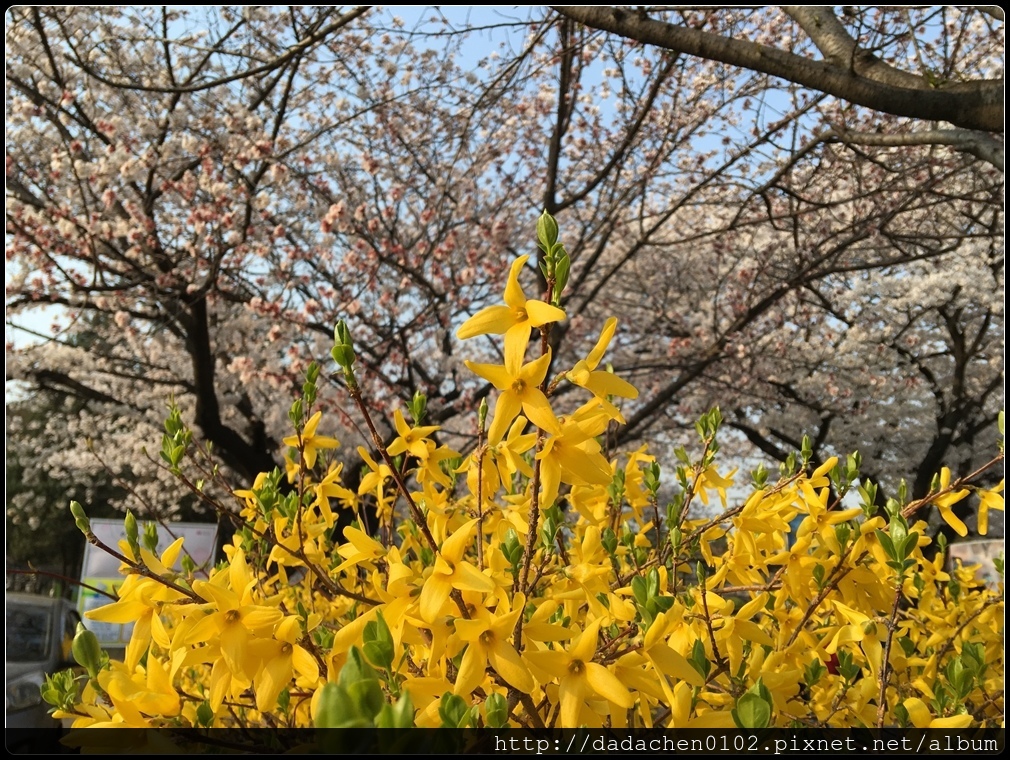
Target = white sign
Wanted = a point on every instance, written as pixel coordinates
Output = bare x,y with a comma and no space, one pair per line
101,569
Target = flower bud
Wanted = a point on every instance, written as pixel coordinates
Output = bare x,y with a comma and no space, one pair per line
86,650
482,413
547,231
83,524
343,348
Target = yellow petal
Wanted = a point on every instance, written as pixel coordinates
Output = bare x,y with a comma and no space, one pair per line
305,663
171,554
455,545
585,646
953,520
918,713
844,635
514,296
471,669
672,663
506,409
540,313
275,676
510,666
606,384
152,562
535,372
258,618
433,595
606,335
536,407
516,340
607,685
493,320
954,721
122,612
825,468
469,578
571,693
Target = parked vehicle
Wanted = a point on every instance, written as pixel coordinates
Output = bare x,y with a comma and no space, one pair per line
40,631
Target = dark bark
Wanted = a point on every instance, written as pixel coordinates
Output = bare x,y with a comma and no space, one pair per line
972,105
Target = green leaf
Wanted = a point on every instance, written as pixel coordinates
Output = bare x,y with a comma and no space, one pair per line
378,643
496,711
698,659
752,711
204,714
400,714
652,582
562,270
361,684
907,645
908,545
640,589
337,709
150,537
813,672
453,711
609,541
885,542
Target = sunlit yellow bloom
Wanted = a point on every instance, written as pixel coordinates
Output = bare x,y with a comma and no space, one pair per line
668,662
291,468
589,568
946,502
742,563
140,602
410,439
507,455
283,658
374,482
598,382
361,549
310,442
234,619
820,520
799,565
518,393
330,487
251,509
292,538
539,629
514,319
988,499
141,691
766,513
734,631
921,717
487,635
451,572
429,468
580,678
859,629
572,456
711,479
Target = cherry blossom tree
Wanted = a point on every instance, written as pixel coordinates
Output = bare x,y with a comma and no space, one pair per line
217,189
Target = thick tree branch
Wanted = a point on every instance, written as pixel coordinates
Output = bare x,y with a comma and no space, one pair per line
841,50
978,144
973,105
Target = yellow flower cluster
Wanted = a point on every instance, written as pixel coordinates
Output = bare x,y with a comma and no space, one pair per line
540,581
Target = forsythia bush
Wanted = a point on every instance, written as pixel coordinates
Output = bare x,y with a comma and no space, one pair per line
537,581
